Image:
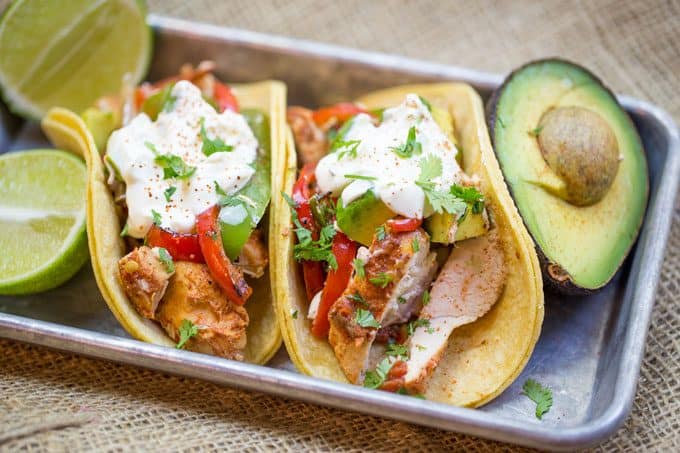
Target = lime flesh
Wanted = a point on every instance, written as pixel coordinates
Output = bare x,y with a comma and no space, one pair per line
69,54
42,220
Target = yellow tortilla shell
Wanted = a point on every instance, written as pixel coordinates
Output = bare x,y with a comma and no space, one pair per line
67,130
482,358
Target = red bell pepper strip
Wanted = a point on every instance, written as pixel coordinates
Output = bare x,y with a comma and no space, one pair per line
344,250
224,97
210,240
403,225
312,271
182,247
341,112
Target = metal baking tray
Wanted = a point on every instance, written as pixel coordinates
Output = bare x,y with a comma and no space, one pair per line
589,352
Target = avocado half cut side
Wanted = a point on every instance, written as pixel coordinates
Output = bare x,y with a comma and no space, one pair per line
575,167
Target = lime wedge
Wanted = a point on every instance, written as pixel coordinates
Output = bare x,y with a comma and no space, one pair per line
42,220
70,53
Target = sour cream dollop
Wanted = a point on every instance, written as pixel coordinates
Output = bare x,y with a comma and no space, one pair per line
391,177
178,132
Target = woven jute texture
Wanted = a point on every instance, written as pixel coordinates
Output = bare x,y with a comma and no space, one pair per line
53,401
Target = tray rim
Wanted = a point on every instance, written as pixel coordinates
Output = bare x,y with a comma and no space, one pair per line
645,272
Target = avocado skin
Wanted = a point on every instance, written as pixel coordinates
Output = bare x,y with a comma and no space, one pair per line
567,287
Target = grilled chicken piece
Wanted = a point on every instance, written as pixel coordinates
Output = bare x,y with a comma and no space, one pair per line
470,283
194,296
310,139
408,274
253,258
144,278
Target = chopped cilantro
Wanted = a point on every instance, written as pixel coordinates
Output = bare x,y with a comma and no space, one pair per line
430,330
426,297
308,249
212,146
359,267
535,132
294,314
469,195
420,347
382,279
173,166
413,325
356,297
166,259
380,232
403,391
410,147
401,300
375,379
426,103
540,395
125,231
397,350
186,330
346,148
365,319
415,245
168,193
430,168
156,218
363,177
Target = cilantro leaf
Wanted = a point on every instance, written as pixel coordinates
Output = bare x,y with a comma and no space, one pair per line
366,319
441,201
173,166
401,300
540,395
346,148
169,192
426,297
469,195
308,249
212,146
380,232
356,297
375,379
363,177
186,330
294,313
156,218
410,147
415,245
125,231
426,103
382,279
413,325
166,259
397,350
359,267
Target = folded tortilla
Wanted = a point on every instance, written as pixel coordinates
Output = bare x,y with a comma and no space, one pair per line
482,358
67,130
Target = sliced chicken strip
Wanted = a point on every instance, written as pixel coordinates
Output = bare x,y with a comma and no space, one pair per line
193,295
470,283
144,278
310,139
395,278
254,258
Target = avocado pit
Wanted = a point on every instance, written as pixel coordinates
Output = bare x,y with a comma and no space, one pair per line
581,148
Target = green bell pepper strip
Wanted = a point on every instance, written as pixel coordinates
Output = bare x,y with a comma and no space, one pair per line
238,221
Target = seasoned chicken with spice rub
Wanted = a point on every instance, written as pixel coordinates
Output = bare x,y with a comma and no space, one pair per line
397,270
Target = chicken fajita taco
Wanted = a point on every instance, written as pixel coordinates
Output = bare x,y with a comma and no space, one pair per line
401,261
177,207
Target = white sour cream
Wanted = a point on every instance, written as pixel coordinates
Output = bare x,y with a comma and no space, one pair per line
178,132
395,176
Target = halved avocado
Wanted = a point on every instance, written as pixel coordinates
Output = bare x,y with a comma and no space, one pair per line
576,169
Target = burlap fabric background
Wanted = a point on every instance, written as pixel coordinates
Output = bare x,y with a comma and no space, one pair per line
53,401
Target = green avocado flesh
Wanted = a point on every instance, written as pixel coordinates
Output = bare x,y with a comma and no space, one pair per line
589,243
238,222
359,219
